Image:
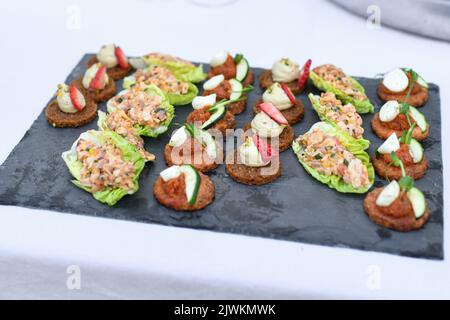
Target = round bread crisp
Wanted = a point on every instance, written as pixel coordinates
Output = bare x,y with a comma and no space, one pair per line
383,132
249,79
203,166
417,99
251,175
293,115
206,195
285,139
403,224
239,106
60,119
266,80
115,73
227,122
390,172
97,95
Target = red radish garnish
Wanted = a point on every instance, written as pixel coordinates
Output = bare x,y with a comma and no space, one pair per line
77,98
121,58
99,80
304,75
288,93
273,113
265,150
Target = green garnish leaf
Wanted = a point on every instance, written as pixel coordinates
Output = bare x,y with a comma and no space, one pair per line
395,159
404,108
190,128
406,183
238,58
407,135
397,162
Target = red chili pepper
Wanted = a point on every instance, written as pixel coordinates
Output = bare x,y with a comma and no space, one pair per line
304,75
288,93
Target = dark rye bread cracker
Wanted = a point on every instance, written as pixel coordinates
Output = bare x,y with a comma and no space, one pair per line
60,119
115,73
238,107
418,97
390,172
383,132
227,122
203,163
97,95
251,175
285,139
403,224
293,115
266,80
206,195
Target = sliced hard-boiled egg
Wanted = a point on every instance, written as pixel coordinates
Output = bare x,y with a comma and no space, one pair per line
390,145
389,111
170,173
219,58
389,194
212,83
200,102
178,137
396,80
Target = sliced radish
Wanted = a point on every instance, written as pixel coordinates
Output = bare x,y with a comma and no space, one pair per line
304,75
288,93
100,79
121,58
77,98
273,113
389,111
266,151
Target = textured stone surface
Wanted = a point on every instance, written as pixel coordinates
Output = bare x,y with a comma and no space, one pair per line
295,207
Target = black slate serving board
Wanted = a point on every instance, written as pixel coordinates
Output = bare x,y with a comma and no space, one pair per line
295,207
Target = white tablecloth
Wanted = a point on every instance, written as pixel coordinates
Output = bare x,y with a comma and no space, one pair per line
41,42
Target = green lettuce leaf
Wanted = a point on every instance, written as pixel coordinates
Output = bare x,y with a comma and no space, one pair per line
174,99
321,113
146,130
109,196
183,99
334,181
183,71
364,106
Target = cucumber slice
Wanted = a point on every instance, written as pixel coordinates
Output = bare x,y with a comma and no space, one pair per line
242,70
416,150
192,179
422,82
218,112
419,118
418,202
236,88
211,146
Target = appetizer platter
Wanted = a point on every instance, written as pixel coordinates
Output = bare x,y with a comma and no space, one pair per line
311,154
